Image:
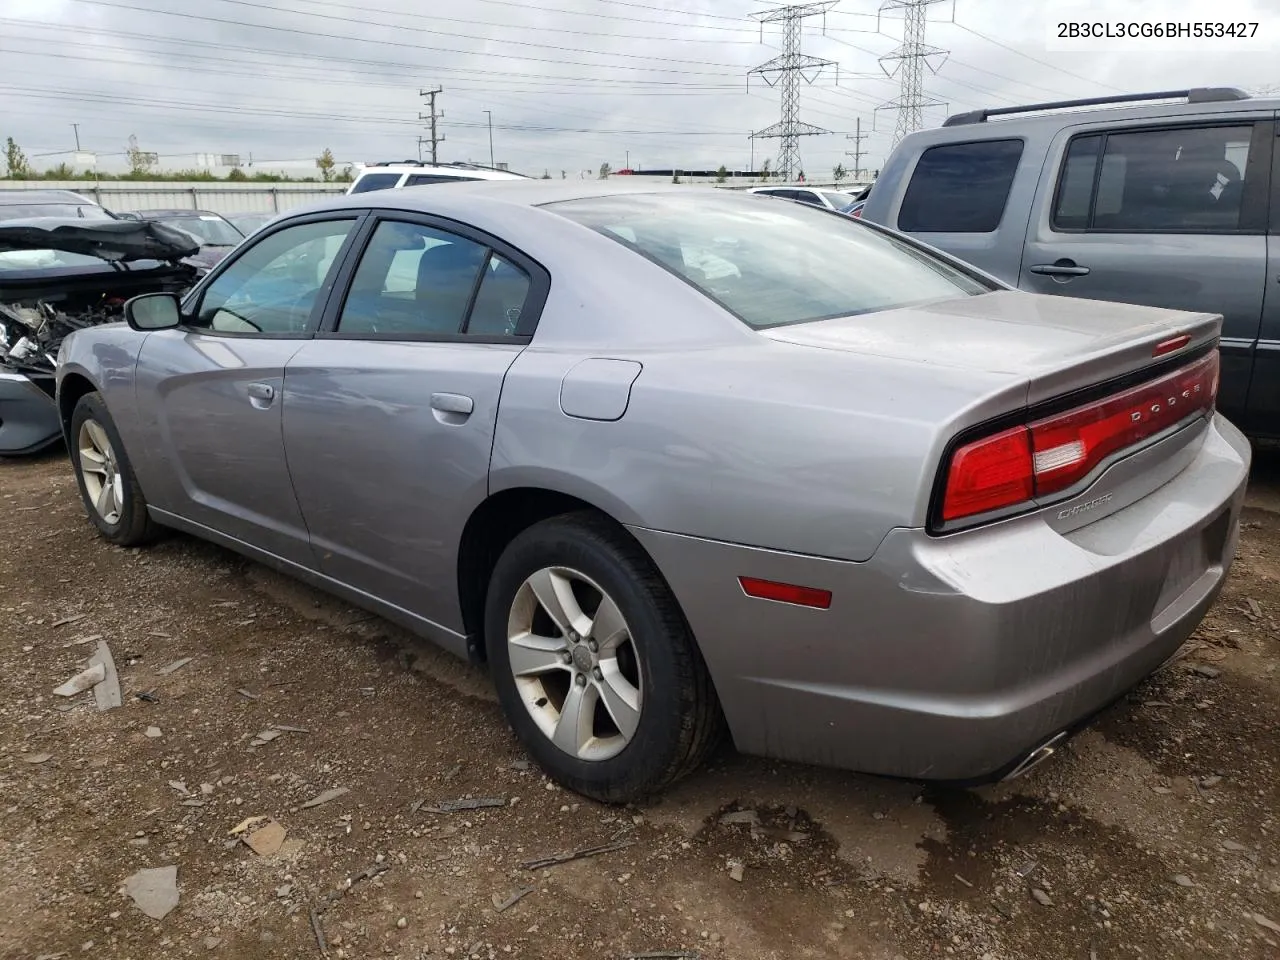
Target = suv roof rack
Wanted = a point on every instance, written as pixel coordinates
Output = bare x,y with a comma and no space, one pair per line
1194,95
422,163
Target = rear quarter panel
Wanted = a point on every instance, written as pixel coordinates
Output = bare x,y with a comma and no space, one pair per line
765,444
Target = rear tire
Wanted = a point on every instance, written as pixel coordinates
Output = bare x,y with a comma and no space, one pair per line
110,491
615,702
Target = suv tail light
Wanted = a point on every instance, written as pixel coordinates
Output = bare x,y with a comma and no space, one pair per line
1050,455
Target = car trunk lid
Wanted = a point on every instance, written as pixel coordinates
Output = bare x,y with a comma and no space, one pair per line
1101,381
1059,344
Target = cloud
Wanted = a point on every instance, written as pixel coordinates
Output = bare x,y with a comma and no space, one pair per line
569,85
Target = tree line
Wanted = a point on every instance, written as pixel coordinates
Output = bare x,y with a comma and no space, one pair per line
142,167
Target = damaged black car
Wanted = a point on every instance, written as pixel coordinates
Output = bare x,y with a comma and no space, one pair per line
58,275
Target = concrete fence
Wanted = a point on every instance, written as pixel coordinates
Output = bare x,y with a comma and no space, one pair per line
224,198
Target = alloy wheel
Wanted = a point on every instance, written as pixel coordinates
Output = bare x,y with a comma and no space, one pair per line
575,663
100,471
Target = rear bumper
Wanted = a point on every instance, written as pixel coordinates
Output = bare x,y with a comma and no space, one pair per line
951,658
28,416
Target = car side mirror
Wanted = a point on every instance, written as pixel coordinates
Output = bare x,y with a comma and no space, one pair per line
153,311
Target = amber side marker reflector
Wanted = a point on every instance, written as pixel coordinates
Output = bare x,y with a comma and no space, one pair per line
1170,345
785,593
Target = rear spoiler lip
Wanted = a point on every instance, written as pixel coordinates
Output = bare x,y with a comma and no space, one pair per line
1115,370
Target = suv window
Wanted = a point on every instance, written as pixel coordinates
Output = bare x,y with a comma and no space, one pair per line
419,179
273,286
415,280
960,187
1183,180
375,181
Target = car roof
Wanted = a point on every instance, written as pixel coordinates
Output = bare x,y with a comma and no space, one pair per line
176,212
471,170
522,192
19,197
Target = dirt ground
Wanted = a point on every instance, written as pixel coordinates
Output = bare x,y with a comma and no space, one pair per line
1154,835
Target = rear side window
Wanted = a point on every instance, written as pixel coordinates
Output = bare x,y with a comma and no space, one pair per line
1188,180
960,187
414,281
375,181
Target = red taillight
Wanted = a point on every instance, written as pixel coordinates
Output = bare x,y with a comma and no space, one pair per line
989,474
785,593
858,213
1068,447
1052,454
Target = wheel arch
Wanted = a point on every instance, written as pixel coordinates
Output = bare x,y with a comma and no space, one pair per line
497,521
71,388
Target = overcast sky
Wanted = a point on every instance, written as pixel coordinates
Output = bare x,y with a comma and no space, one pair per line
571,85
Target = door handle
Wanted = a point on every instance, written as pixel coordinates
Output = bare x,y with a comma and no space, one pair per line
261,395
452,403
1063,268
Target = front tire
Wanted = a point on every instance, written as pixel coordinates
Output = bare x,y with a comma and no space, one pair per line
594,664
110,491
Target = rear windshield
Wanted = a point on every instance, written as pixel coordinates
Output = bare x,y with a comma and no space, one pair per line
208,231
772,263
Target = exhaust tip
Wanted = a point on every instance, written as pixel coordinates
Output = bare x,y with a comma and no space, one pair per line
1037,756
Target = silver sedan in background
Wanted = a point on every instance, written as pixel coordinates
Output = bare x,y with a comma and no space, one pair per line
674,461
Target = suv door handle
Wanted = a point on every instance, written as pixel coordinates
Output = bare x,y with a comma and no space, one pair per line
1063,268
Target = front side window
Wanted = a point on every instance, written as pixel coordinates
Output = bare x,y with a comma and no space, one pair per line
1185,180
413,280
375,181
960,187
773,263
274,285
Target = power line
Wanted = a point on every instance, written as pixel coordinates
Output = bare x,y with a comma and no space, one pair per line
408,69
1043,63
186,105
365,21
116,4
523,27
786,70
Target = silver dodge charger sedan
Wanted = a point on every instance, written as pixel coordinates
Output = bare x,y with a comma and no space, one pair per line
672,461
